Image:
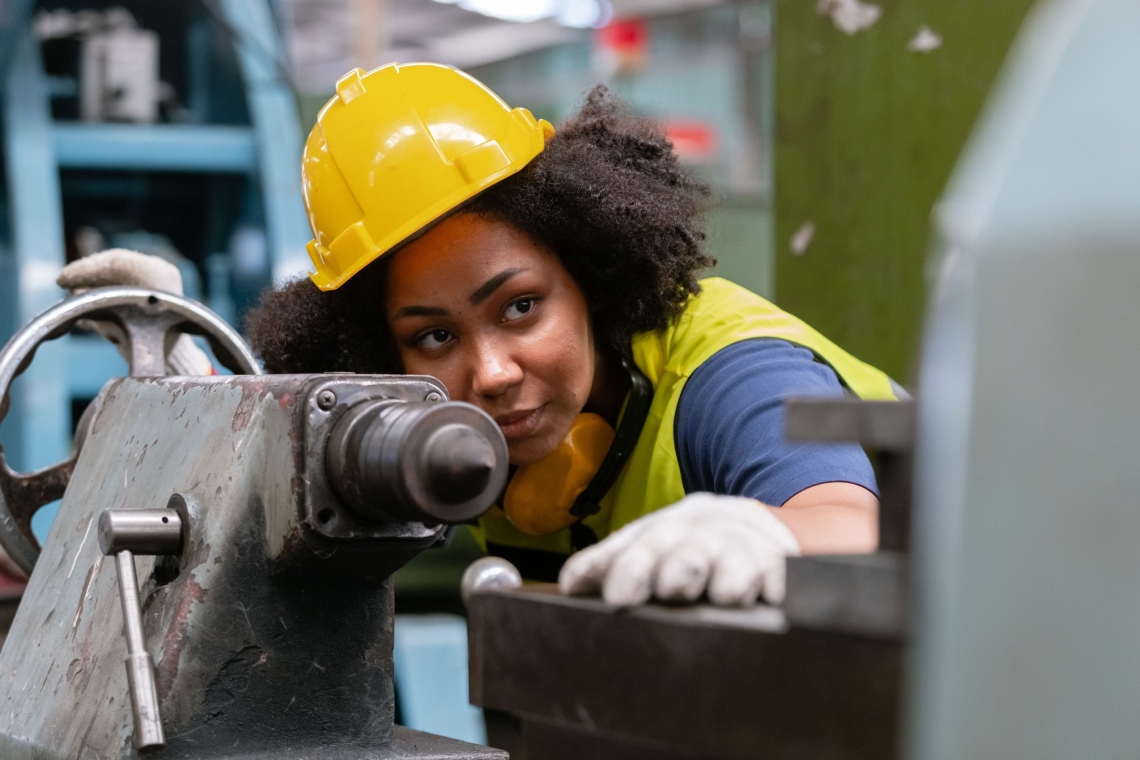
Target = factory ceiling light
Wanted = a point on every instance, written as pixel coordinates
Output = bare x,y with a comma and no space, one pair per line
576,13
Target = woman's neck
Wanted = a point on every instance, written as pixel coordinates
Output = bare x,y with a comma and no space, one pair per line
611,384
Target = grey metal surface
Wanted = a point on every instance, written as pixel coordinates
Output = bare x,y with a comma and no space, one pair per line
324,512
141,531
269,639
437,462
140,667
1027,579
701,681
147,317
862,594
879,424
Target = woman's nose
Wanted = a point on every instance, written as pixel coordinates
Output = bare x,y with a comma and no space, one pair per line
495,371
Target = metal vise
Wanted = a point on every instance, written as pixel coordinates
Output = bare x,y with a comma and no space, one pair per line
267,514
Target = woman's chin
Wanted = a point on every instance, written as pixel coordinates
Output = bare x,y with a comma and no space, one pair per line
526,452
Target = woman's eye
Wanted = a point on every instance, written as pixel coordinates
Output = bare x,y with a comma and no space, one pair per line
518,309
434,339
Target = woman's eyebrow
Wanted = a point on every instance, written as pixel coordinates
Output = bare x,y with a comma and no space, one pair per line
484,291
420,311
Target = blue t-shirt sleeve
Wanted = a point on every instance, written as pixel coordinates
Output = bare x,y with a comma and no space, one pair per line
729,425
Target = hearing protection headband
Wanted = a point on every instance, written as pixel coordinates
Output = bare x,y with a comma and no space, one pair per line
625,439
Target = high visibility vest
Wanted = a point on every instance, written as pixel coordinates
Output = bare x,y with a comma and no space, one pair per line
722,314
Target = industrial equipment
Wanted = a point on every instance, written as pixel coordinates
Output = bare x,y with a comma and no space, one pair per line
119,76
822,677
254,522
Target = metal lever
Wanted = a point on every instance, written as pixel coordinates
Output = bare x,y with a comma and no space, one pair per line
124,533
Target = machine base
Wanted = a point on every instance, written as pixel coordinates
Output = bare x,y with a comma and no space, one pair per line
406,745
587,680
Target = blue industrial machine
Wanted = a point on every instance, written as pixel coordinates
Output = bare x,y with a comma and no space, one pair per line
219,178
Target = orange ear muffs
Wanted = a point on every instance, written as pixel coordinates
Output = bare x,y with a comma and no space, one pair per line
540,495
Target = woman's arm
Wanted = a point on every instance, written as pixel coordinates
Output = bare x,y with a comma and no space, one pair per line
730,440
832,518
735,460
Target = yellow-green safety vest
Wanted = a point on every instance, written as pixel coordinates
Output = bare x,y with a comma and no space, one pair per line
723,313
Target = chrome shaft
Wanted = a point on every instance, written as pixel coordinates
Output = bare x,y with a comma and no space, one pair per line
123,532
140,667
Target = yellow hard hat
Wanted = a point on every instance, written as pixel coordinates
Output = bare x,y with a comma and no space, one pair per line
396,149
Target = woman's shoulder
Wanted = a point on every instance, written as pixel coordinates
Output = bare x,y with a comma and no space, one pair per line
722,313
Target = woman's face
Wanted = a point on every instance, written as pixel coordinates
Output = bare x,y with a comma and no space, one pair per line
499,320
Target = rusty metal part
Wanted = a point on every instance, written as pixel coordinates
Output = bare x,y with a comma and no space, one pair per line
443,462
149,319
270,639
590,680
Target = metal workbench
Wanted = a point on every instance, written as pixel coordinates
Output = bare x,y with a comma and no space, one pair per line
583,679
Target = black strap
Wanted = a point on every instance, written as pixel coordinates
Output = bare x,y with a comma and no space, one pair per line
625,439
538,565
581,536
532,564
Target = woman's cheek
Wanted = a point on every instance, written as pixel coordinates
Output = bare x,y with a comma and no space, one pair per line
569,363
415,365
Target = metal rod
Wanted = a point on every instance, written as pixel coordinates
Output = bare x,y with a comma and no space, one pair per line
140,667
141,531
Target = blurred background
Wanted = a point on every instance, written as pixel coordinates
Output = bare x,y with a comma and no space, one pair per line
827,128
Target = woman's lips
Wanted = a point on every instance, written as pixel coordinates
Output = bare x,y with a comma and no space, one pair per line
521,423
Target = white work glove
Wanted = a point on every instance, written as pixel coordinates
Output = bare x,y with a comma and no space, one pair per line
119,266
731,546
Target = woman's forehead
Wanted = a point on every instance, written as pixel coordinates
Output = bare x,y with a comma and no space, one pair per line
459,255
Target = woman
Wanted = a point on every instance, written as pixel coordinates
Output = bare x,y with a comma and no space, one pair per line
551,280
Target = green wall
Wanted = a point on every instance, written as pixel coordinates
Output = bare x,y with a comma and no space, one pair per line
867,134
740,237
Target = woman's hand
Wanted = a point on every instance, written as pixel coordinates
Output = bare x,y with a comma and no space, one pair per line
119,266
731,546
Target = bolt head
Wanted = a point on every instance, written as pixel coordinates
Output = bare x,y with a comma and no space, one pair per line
326,400
433,396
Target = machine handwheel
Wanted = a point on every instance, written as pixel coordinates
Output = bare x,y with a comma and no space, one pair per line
151,320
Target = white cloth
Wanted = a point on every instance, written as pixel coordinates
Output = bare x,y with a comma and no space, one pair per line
119,266
730,546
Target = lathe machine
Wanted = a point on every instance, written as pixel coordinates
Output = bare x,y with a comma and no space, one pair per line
231,539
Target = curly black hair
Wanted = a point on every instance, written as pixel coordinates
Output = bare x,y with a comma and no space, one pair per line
607,195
